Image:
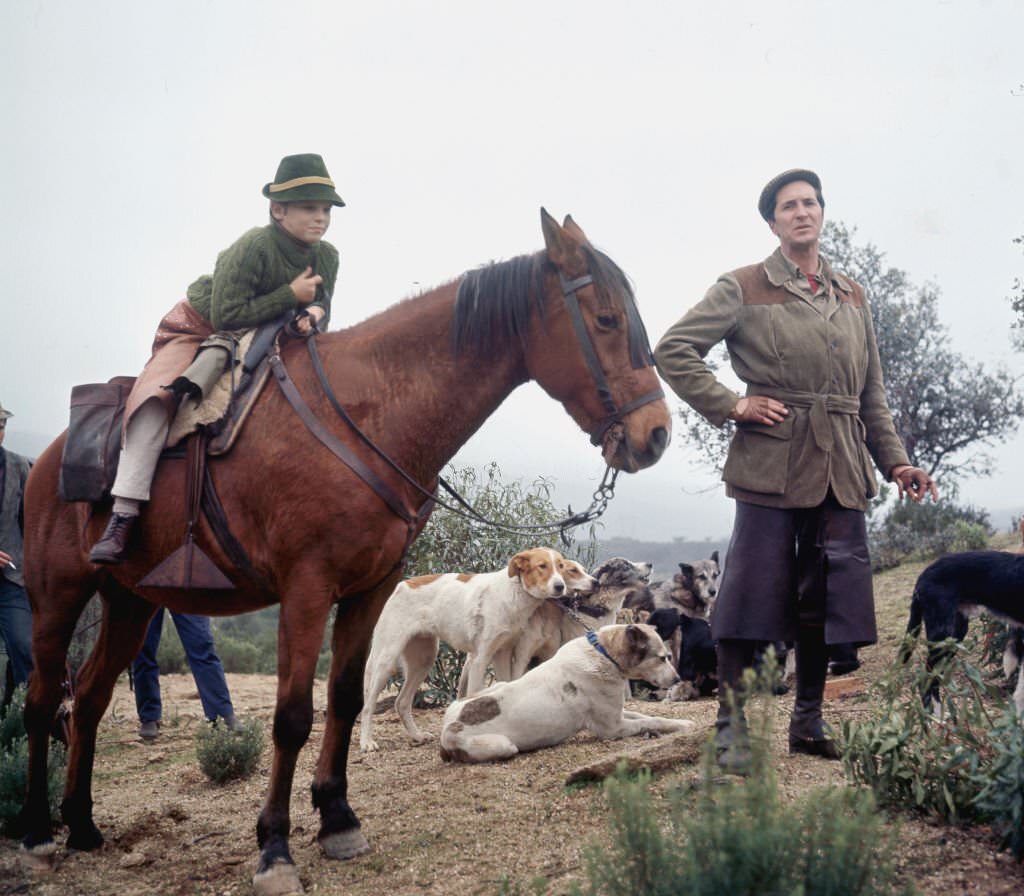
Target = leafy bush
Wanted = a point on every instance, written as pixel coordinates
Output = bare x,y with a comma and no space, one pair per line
14,765
226,755
926,530
442,685
964,764
739,836
452,542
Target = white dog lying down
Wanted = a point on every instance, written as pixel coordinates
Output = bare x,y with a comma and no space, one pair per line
580,687
477,613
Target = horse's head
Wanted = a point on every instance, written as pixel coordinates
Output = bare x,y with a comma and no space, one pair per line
589,349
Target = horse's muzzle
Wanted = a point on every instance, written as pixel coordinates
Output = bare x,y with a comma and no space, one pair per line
621,453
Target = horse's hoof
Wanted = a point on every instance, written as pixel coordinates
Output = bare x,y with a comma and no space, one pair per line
39,859
280,879
85,839
344,844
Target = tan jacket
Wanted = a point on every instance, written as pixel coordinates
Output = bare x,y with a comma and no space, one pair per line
818,355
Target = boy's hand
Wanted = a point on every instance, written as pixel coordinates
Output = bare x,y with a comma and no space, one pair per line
315,315
304,286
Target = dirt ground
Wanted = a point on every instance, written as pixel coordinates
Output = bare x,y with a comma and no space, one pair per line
435,828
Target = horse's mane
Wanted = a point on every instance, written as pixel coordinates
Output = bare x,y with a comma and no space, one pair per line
492,306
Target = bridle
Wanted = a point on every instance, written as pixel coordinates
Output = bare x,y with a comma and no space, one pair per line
640,354
641,358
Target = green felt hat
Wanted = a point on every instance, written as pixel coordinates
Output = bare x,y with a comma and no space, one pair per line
302,177
766,202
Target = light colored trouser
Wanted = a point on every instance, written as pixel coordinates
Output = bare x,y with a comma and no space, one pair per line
144,442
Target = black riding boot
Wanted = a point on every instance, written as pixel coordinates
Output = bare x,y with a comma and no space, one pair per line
732,741
806,727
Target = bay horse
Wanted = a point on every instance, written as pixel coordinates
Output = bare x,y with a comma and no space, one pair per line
418,379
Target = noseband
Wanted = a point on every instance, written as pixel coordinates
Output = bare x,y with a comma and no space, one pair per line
613,412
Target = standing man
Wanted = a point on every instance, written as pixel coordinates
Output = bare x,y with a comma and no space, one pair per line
15,615
812,423
197,640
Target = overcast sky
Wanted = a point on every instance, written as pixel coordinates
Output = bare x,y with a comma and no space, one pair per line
137,137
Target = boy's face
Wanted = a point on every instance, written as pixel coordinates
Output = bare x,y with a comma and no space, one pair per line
305,221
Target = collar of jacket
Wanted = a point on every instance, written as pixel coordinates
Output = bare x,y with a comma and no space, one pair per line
780,270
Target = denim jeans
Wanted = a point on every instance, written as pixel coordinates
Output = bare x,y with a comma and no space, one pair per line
197,639
16,629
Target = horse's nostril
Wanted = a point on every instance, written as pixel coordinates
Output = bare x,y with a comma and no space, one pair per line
658,441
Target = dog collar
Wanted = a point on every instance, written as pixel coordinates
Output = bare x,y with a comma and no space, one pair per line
599,647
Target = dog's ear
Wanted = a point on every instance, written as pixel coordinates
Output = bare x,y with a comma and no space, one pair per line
685,575
518,563
714,556
636,640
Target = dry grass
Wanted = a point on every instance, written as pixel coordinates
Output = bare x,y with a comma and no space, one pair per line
435,828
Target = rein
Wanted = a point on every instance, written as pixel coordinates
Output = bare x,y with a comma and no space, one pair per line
599,503
613,415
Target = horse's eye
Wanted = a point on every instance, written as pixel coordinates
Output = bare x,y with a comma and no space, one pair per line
607,321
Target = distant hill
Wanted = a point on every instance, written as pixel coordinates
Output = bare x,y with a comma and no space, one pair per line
665,555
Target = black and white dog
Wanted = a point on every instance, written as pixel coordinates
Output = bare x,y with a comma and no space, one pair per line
956,588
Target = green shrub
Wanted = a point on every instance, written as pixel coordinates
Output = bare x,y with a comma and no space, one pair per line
1000,784
442,685
226,755
237,655
739,836
926,530
14,766
965,765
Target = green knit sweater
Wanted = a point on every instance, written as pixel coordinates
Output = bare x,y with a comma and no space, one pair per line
251,280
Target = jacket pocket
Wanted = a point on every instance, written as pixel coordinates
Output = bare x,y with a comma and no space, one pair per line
758,458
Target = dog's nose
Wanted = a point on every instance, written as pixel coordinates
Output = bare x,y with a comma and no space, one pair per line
558,587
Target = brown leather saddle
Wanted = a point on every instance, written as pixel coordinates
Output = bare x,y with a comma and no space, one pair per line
91,452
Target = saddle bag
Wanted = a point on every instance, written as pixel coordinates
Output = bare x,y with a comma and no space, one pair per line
89,462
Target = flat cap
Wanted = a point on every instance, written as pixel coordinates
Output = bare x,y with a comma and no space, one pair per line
766,204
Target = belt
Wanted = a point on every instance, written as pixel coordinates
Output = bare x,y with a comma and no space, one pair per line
820,404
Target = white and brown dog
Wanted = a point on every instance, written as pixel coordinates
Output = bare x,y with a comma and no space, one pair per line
592,601
580,688
476,613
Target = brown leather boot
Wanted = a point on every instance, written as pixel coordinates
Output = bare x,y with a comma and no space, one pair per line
111,546
807,732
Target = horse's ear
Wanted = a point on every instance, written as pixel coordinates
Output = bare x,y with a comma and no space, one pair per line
562,243
572,227
554,237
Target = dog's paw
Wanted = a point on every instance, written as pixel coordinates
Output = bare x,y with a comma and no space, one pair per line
369,746
421,737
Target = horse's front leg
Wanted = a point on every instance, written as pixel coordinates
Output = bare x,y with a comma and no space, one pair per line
125,618
304,610
53,624
340,836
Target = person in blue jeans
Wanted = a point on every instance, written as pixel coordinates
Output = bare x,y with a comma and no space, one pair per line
15,615
197,640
